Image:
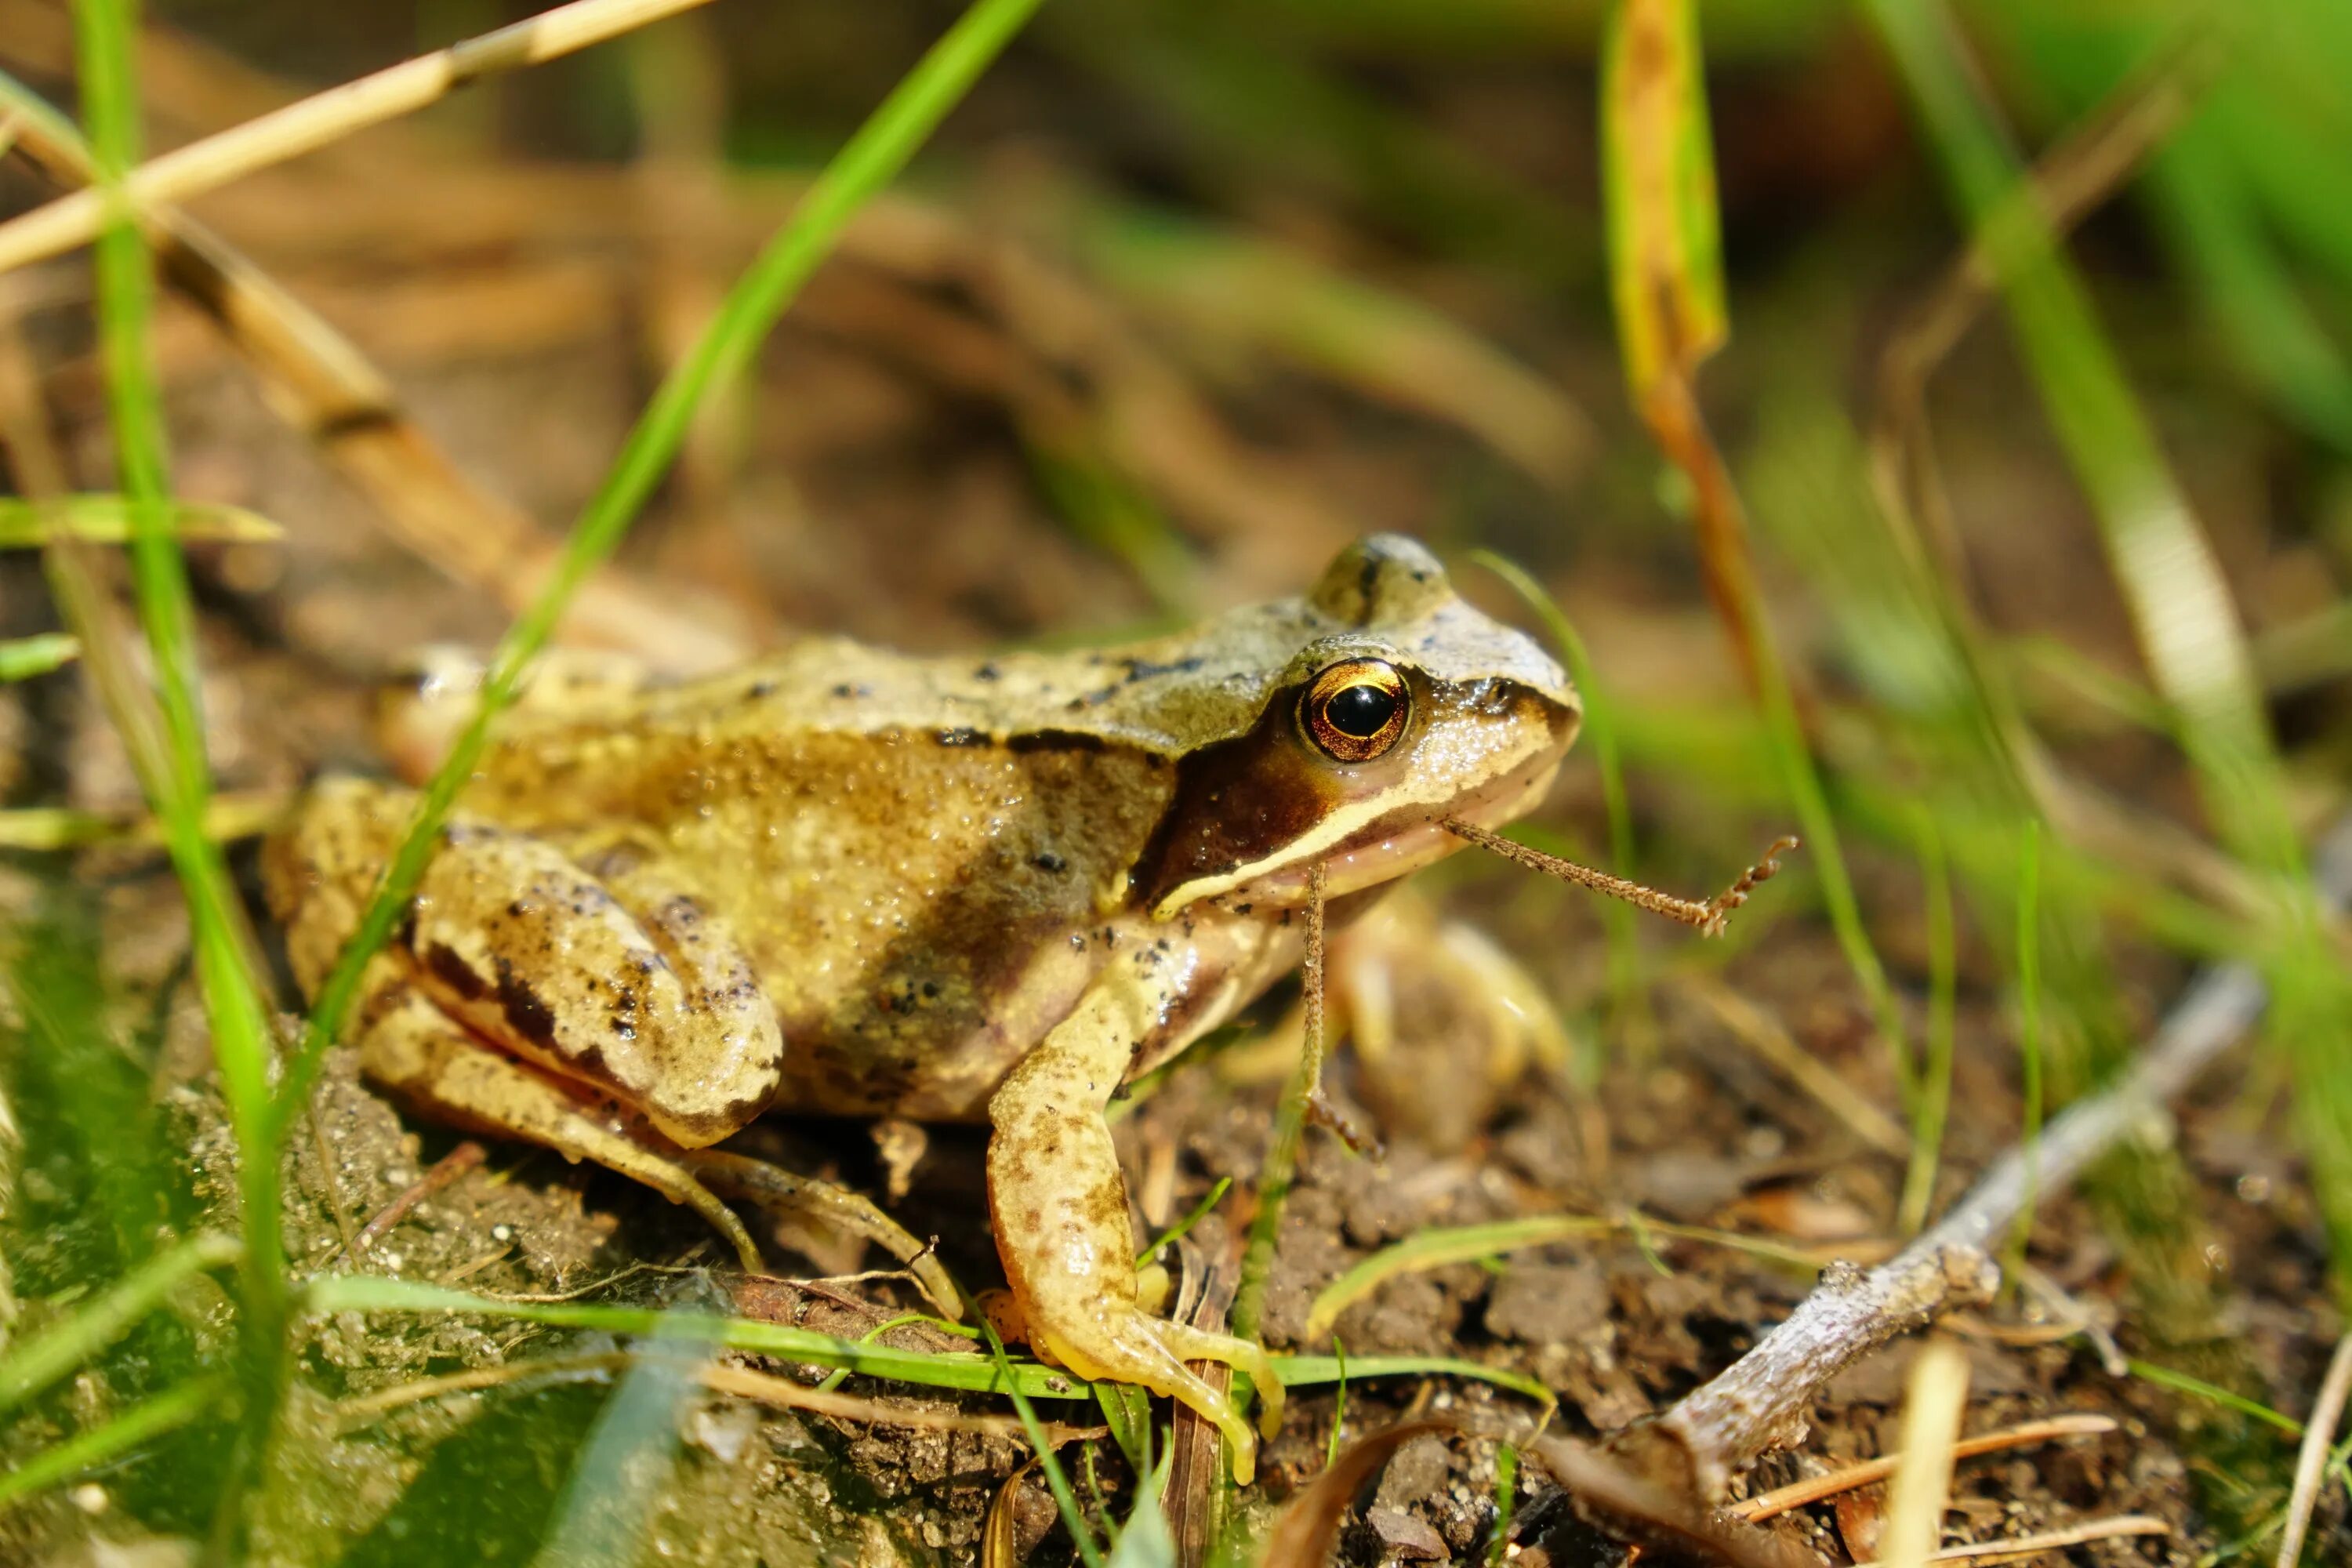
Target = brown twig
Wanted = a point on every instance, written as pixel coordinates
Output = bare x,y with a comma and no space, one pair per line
1709,918
1761,1401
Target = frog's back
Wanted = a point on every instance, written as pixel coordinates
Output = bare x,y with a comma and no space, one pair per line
922,885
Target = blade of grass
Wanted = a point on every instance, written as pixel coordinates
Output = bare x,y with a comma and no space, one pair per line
1338,1403
2197,1387
870,161
1056,1480
1313,1371
2029,1039
179,789
629,1453
113,518
1175,1233
39,1361
1667,283
1145,1540
166,1412
1935,1098
21,659
226,817
1507,1476
971,1371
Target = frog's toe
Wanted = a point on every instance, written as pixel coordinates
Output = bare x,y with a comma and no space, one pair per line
805,1197
1124,1345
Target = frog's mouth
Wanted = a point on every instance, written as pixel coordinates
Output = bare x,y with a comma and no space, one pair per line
1405,840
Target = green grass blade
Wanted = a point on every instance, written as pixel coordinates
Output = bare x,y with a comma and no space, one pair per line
166,1412
114,519
629,1453
1507,1476
968,1372
870,161
234,1008
2029,1037
21,659
1145,1540
1472,1243
2197,1387
1313,1371
1935,1098
1175,1233
1056,1479
1436,1248
39,1361
1281,1163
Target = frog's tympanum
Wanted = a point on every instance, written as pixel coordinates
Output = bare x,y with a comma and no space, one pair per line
851,881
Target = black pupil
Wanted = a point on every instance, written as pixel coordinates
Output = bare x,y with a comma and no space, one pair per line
1360,710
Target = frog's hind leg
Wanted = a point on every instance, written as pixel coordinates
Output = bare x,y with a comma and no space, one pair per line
1062,1227
411,1049
781,1192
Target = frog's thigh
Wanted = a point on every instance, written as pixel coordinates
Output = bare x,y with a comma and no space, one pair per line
412,1050
625,984
1060,1209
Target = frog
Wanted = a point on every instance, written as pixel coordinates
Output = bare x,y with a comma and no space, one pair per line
843,880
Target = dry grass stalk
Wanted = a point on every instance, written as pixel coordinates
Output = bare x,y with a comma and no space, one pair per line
328,117
2023,1548
1937,1397
1868,1472
2311,1459
1768,1039
324,386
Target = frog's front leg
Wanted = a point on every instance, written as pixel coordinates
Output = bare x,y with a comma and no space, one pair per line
1062,1229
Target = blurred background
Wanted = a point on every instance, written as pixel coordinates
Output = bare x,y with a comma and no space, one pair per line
2045,570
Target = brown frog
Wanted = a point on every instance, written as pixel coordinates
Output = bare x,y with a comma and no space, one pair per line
851,881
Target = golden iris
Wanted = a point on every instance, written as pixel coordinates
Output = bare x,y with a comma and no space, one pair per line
1355,710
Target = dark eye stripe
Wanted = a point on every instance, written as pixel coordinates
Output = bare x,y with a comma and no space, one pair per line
1354,711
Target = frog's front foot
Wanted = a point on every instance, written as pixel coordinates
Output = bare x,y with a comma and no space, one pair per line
1062,1229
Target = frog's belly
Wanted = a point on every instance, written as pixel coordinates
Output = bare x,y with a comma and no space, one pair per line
918,1040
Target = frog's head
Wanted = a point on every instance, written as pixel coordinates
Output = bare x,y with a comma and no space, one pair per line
1399,707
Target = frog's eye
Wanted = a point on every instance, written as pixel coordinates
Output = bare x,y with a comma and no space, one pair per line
1355,710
